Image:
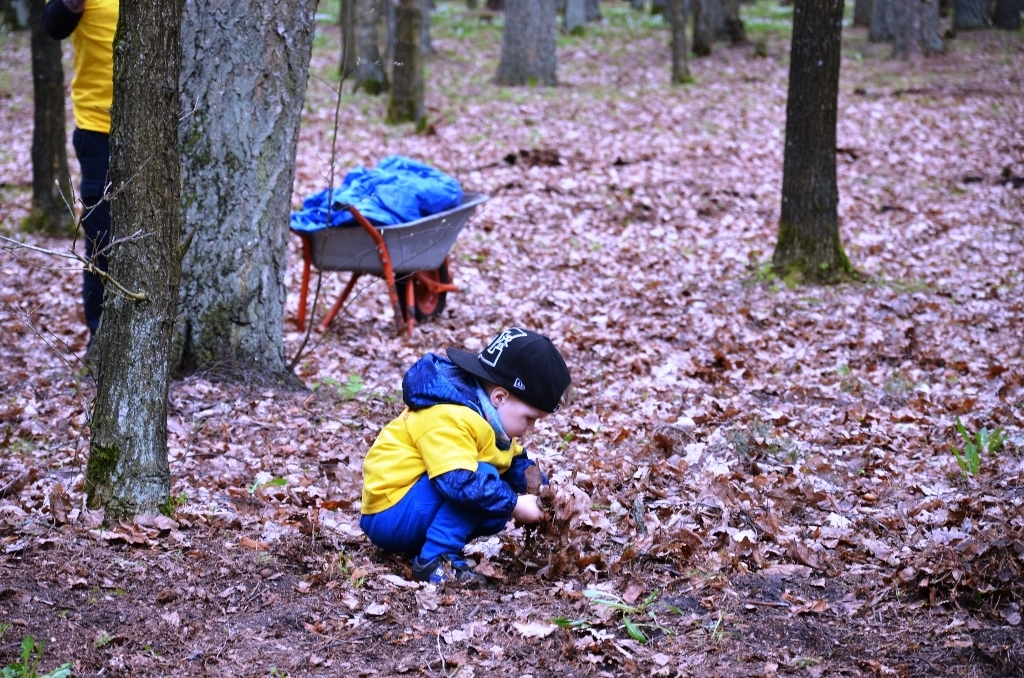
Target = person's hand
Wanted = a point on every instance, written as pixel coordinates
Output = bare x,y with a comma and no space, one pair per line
527,511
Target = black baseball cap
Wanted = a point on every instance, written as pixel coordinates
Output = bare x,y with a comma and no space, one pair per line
524,363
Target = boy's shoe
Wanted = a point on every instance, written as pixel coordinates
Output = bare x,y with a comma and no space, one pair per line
440,570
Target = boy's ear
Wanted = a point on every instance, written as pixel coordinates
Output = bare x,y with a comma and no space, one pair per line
498,395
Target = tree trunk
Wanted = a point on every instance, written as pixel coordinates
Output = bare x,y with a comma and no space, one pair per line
970,14
244,70
575,16
347,13
127,472
368,68
406,101
528,53
703,27
915,28
426,46
735,32
17,14
809,246
593,10
880,29
680,58
862,13
51,180
1006,14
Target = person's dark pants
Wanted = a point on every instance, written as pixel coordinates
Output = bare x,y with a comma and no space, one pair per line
427,524
93,151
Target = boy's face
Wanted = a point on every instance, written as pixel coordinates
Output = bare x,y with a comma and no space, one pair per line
516,416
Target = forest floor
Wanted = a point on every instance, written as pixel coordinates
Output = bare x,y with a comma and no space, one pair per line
759,479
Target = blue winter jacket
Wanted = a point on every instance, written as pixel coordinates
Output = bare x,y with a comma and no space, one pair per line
436,380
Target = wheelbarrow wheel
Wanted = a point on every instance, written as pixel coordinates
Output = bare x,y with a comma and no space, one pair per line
426,304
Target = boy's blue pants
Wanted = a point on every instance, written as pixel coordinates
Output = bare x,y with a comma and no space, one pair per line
428,524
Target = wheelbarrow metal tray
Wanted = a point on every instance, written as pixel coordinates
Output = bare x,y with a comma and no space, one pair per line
420,245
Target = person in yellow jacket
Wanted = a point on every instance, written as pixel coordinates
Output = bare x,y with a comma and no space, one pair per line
450,469
91,25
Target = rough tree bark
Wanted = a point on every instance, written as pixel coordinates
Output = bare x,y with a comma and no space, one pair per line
528,53
676,10
809,246
51,180
243,75
406,101
127,472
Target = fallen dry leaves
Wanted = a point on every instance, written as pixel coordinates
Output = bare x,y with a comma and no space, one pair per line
761,476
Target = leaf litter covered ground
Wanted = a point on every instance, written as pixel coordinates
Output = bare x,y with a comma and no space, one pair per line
755,480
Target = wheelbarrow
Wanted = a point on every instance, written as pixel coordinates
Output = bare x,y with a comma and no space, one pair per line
411,257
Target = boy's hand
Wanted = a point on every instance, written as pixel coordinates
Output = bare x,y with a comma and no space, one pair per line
527,511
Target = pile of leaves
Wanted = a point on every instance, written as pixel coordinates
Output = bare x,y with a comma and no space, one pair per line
754,479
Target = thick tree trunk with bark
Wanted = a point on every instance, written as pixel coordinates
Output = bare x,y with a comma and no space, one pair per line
51,180
244,70
970,14
862,13
809,246
406,101
676,11
915,28
528,53
1006,14
127,472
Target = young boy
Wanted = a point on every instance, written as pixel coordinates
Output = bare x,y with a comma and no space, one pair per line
449,469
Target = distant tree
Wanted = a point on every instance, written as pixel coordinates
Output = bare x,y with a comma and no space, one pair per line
915,28
51,180
862,13
680,59
426,44
809,245
881,27
347,31
970,14
733,26
15,13
405,103
575,16
366,67
528,44
593,10
704,14
1006,14
127,471
244,69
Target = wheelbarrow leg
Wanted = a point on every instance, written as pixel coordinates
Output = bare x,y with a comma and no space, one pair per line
300,319
385,260
329,318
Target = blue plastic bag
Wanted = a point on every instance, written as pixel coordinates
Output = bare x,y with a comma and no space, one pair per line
397,191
